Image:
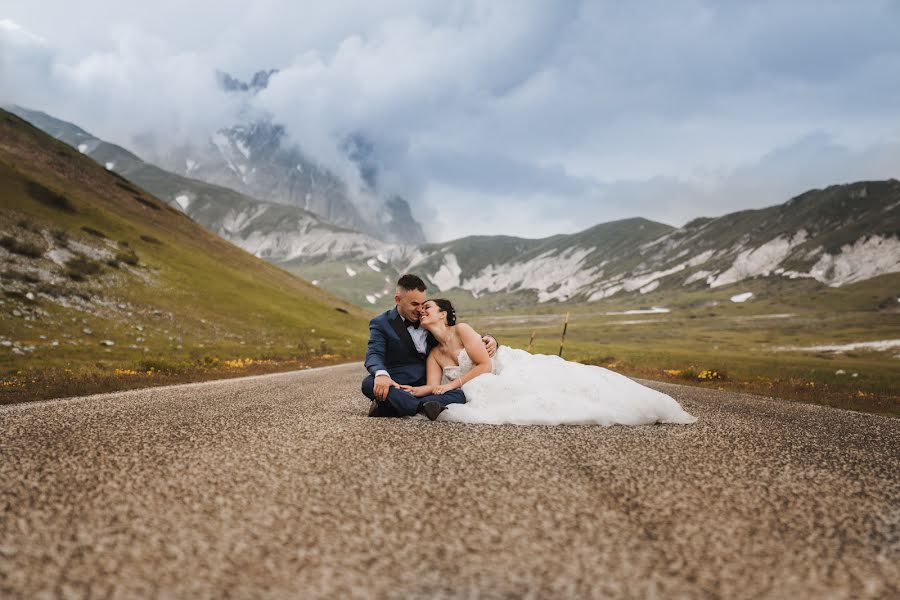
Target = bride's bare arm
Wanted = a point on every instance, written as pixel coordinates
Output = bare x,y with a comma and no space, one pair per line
478,354
433,374
433,371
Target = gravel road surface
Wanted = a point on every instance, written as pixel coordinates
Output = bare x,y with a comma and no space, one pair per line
280,486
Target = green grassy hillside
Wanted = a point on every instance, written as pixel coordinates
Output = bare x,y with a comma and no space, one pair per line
99,278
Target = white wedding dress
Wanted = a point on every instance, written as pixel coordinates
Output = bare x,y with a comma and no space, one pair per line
538,389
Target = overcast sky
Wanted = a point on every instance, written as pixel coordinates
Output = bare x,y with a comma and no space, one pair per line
521,118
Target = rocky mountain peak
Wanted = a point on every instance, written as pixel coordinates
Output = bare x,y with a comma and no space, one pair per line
361,151
259,81
398,222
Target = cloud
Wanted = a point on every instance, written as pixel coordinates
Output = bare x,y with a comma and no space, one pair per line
531,115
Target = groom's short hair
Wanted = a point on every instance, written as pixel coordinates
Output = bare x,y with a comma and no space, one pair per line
411,282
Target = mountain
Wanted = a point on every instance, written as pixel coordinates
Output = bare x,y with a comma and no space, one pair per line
99,273
256,158
836,236
276,232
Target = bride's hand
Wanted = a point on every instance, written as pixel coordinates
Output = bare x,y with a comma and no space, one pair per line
440,389
417,391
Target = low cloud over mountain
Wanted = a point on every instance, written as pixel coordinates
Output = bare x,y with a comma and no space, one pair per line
528,118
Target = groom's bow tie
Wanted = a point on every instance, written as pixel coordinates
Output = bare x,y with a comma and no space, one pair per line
413,324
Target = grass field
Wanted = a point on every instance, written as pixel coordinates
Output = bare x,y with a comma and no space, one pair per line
706,339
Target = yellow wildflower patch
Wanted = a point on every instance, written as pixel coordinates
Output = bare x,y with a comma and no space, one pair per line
708,375
239,363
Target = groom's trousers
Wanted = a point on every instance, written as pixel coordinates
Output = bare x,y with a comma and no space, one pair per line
404,403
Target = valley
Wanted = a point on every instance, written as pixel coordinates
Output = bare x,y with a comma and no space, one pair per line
751,297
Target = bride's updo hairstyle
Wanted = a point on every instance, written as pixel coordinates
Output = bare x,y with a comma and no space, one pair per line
447,307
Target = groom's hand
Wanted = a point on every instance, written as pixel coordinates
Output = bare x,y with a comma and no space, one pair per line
383,384
490,344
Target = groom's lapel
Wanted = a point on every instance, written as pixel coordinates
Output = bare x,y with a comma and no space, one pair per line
403,332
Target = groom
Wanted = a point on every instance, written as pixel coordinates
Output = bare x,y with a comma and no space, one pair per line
396,355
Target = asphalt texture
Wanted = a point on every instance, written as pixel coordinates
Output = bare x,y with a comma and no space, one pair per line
281,486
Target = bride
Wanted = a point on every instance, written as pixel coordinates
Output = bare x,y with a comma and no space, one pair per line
528,389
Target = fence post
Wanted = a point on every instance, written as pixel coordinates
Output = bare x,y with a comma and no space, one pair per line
562,341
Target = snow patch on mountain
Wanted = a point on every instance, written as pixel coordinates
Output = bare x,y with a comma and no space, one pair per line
242,147
649,287
223,143
553,276
304,238
234,220
878,346
644,283
653,310
759,261
350,271
697,276
373,264
183,200
605,292
742,297
447,276
866,258
793,274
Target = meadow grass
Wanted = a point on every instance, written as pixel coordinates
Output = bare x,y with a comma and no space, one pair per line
727,346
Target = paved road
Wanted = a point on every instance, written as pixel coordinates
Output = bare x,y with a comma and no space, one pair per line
280,486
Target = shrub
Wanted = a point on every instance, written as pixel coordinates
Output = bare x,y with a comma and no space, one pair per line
129,257
61,237
48,197
19,276
25,248
52,289
82,267
158,364
94,232
147,203
209,362
125,185
151,240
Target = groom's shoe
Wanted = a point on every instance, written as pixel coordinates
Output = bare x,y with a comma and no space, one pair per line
432,409
381,409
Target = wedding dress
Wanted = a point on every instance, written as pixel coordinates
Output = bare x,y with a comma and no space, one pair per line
538,389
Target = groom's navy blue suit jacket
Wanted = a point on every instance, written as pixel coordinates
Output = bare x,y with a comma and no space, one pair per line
391,348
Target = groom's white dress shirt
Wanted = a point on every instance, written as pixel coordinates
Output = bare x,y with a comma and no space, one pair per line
418,337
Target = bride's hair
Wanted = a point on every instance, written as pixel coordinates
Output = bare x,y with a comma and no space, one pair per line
446,306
